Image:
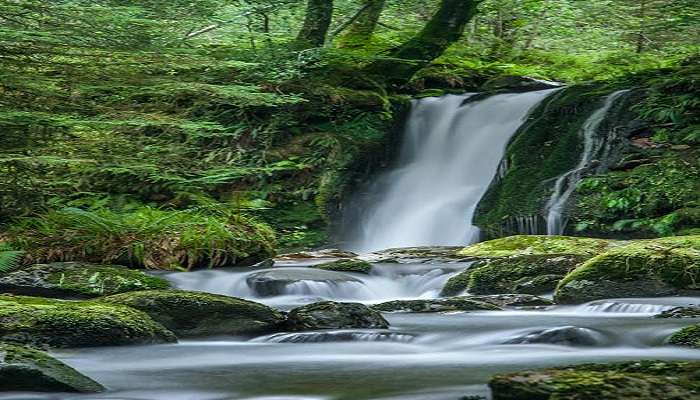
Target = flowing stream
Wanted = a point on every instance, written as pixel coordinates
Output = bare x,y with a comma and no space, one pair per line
594,145
451,151
422,356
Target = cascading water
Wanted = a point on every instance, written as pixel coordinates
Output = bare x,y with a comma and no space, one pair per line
451,152
594,145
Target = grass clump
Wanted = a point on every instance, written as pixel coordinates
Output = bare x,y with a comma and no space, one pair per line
145,237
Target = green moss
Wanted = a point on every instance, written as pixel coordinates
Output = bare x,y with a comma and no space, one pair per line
630,380
520,274
77,280
27,369
346,265
688,336
534,245
63,323
680,312
647,266
201,314
456,284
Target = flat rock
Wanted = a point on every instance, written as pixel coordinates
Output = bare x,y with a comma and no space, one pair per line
421,255
435,305
27,369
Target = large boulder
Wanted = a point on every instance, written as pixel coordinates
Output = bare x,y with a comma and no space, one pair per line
77,280
275,282
26,369
643,380
688,336
67,323
332,315
346,265
644,268
201,314
435,305
527,274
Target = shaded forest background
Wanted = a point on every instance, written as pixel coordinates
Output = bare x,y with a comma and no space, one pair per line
183,133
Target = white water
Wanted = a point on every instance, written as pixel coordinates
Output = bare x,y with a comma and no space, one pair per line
566,183
449,156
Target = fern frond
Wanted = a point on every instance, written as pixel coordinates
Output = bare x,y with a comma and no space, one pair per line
9,258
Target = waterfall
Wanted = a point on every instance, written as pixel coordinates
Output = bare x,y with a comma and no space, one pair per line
450,154
566,183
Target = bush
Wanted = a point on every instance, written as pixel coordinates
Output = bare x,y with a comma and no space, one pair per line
145,237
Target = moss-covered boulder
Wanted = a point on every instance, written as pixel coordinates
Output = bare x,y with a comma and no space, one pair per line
435,305
688,336
67,323
346,265
332,315
528,274
27,369
643,380
77,280
519,245
201,314
644,268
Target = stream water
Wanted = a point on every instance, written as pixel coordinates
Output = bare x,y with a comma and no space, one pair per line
422,356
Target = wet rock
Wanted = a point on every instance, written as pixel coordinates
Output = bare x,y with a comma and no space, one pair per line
688,336
339,336
332,315
435,305
274,282
346,265
66,323
77,280
408,255
26,369
680,312
319,254
643,268
189,314
563,335
513,300
515,83
644,380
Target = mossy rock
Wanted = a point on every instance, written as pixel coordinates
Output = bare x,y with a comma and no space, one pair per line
346,265
418,254
435,305
526,274
519,245
512,300
332,315
77,280
644,380
70,323
529,274
201,314
688,336
27,369
680,312
644,268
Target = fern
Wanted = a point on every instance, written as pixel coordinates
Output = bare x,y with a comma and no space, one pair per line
9,258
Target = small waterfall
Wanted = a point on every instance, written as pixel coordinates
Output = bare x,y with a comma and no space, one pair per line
594,145
450,154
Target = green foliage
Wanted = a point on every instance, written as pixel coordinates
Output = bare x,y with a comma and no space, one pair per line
9,258
147,237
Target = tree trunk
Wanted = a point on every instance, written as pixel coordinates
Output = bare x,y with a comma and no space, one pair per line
316,23
641,38
444,28
361,29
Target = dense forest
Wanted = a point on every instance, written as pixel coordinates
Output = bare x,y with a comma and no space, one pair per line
143,141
